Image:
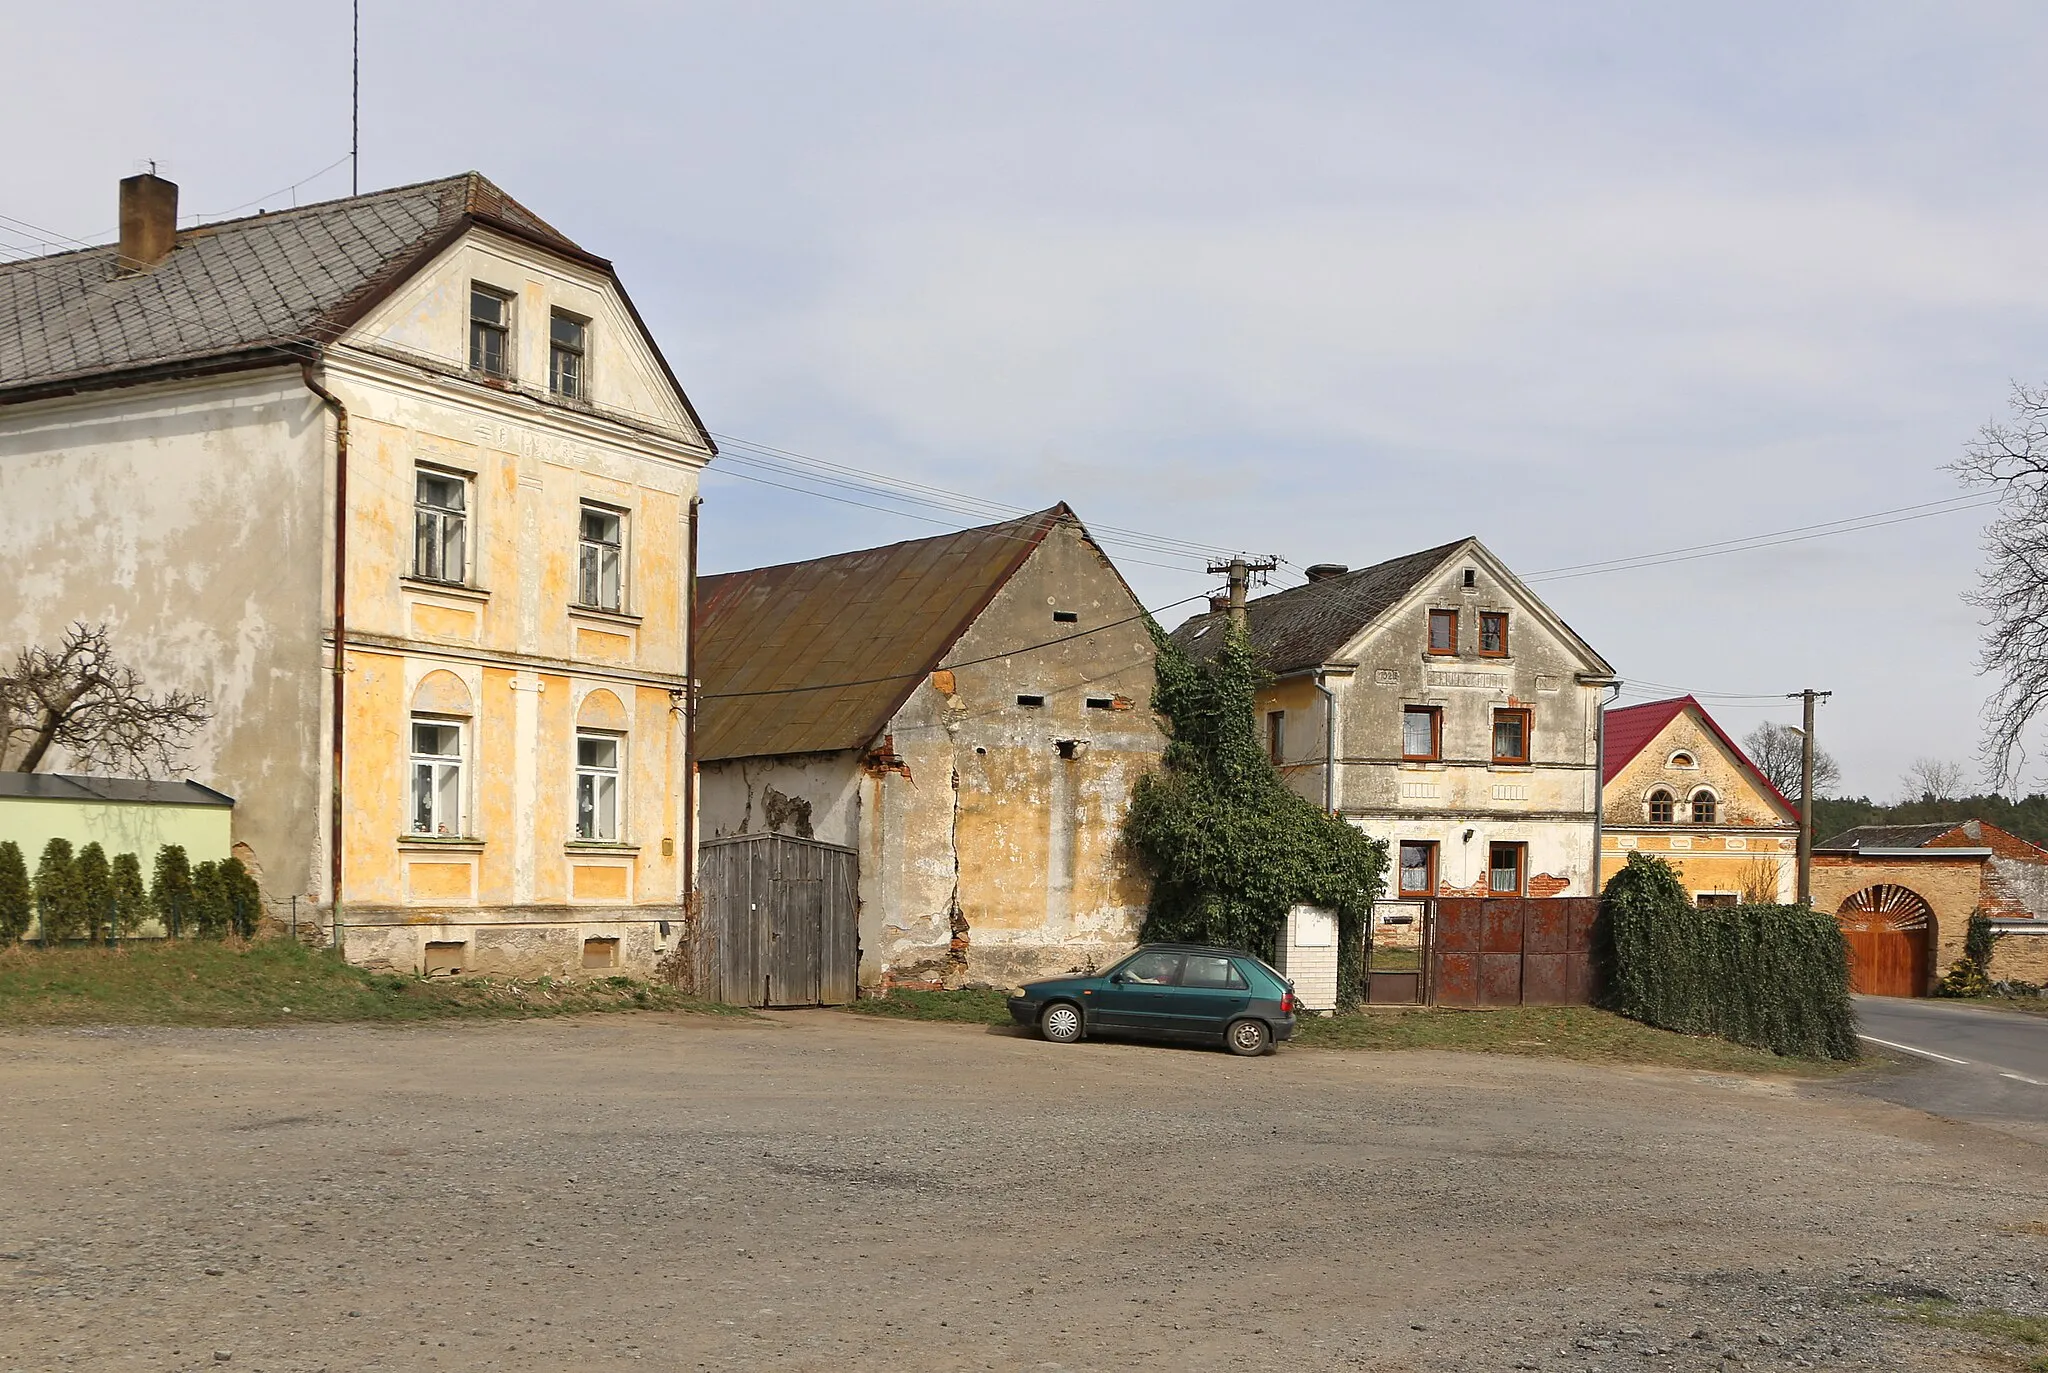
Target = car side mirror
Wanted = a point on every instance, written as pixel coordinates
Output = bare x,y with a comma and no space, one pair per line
1118,979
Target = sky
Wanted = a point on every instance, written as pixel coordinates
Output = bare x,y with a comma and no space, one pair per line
1327,282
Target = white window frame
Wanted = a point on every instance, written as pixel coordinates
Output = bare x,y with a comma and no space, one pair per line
594,776
590,555
580,351
446,780
442,519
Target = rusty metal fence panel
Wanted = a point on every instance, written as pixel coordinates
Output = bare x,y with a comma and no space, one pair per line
1511,951
781,919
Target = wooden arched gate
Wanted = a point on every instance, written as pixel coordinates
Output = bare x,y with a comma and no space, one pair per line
1887,929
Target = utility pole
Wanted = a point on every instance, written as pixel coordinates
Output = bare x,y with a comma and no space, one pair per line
1240,571
1809,697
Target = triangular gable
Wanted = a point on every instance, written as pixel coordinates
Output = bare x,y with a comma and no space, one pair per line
1632,730
817,656
1471,550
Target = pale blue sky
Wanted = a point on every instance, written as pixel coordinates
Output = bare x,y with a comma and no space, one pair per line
1336,282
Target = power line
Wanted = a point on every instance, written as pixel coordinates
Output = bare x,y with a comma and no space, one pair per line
1851,525
969,662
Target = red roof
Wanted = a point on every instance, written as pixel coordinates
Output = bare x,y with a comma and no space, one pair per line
1631,728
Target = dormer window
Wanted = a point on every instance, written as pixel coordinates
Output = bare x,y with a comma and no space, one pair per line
568,356
490,331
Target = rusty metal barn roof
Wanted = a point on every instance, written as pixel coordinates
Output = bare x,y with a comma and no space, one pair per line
814,657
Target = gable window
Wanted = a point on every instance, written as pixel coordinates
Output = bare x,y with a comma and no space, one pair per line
1422,734
1276,735
490,331
1493,634
1418,868
1443,631
1504,869
1683,759
440,526
1662,809
1705,806
597,786
1511,736
436,776
600,559
568,351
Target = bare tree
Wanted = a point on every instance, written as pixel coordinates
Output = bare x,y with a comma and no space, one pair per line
1933,779
82,701
1776,751
2011,459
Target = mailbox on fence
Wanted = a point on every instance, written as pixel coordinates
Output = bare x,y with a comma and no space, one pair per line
1308,956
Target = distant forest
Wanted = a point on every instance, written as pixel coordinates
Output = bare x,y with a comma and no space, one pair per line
2028,819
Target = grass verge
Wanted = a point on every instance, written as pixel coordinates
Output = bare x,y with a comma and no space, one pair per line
1573,1032
277,982
966,1008
2030,1332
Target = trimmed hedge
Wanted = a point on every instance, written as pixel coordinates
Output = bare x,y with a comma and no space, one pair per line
1772,977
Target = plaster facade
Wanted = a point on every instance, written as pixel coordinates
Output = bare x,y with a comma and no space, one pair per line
197,520
1747,852
1463,801
989,831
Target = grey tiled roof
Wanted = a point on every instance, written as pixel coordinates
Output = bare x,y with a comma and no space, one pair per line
54,786
1306,626
1886,837
293,277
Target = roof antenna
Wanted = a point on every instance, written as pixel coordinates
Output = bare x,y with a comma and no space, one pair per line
355,98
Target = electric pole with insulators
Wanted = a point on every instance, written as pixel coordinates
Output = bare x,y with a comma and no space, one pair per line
1810,697
1240,570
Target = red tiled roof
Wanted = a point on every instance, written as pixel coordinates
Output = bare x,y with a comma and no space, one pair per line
1631,728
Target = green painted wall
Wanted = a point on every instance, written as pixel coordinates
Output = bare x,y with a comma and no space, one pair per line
117,827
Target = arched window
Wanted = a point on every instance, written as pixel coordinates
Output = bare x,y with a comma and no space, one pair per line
1682,759
1705,807
1662,808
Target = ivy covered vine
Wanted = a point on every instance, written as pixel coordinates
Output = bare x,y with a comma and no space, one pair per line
1228,847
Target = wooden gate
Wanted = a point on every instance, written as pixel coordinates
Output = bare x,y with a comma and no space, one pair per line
1886,929
781,921
1511,951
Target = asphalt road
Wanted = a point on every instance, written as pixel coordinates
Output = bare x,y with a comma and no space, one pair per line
1972,1064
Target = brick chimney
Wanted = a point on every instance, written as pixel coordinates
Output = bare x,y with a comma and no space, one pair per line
149,221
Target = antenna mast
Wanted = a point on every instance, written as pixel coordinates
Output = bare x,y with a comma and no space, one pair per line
355,98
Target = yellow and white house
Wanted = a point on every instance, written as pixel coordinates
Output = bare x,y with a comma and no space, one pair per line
402,483
1678,787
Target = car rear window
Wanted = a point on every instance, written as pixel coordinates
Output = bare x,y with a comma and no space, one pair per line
1214,973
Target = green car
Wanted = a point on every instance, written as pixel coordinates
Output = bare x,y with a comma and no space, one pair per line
1167,991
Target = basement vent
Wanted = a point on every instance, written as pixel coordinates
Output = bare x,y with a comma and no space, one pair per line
1065,617
1102,703
600,953
1069,748
445,957
1031,700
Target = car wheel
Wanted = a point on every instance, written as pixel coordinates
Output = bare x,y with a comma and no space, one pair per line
1248,1038
1061,1022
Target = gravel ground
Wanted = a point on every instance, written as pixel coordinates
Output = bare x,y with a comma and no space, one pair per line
824,1191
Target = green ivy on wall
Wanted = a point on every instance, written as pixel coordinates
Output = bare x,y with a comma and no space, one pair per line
1228,847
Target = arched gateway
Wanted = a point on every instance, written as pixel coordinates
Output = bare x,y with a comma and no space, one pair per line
1888,930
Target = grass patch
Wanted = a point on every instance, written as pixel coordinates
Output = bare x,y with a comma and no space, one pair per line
2025,1005
1574,1032
204,982
965,1007
2030,1331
